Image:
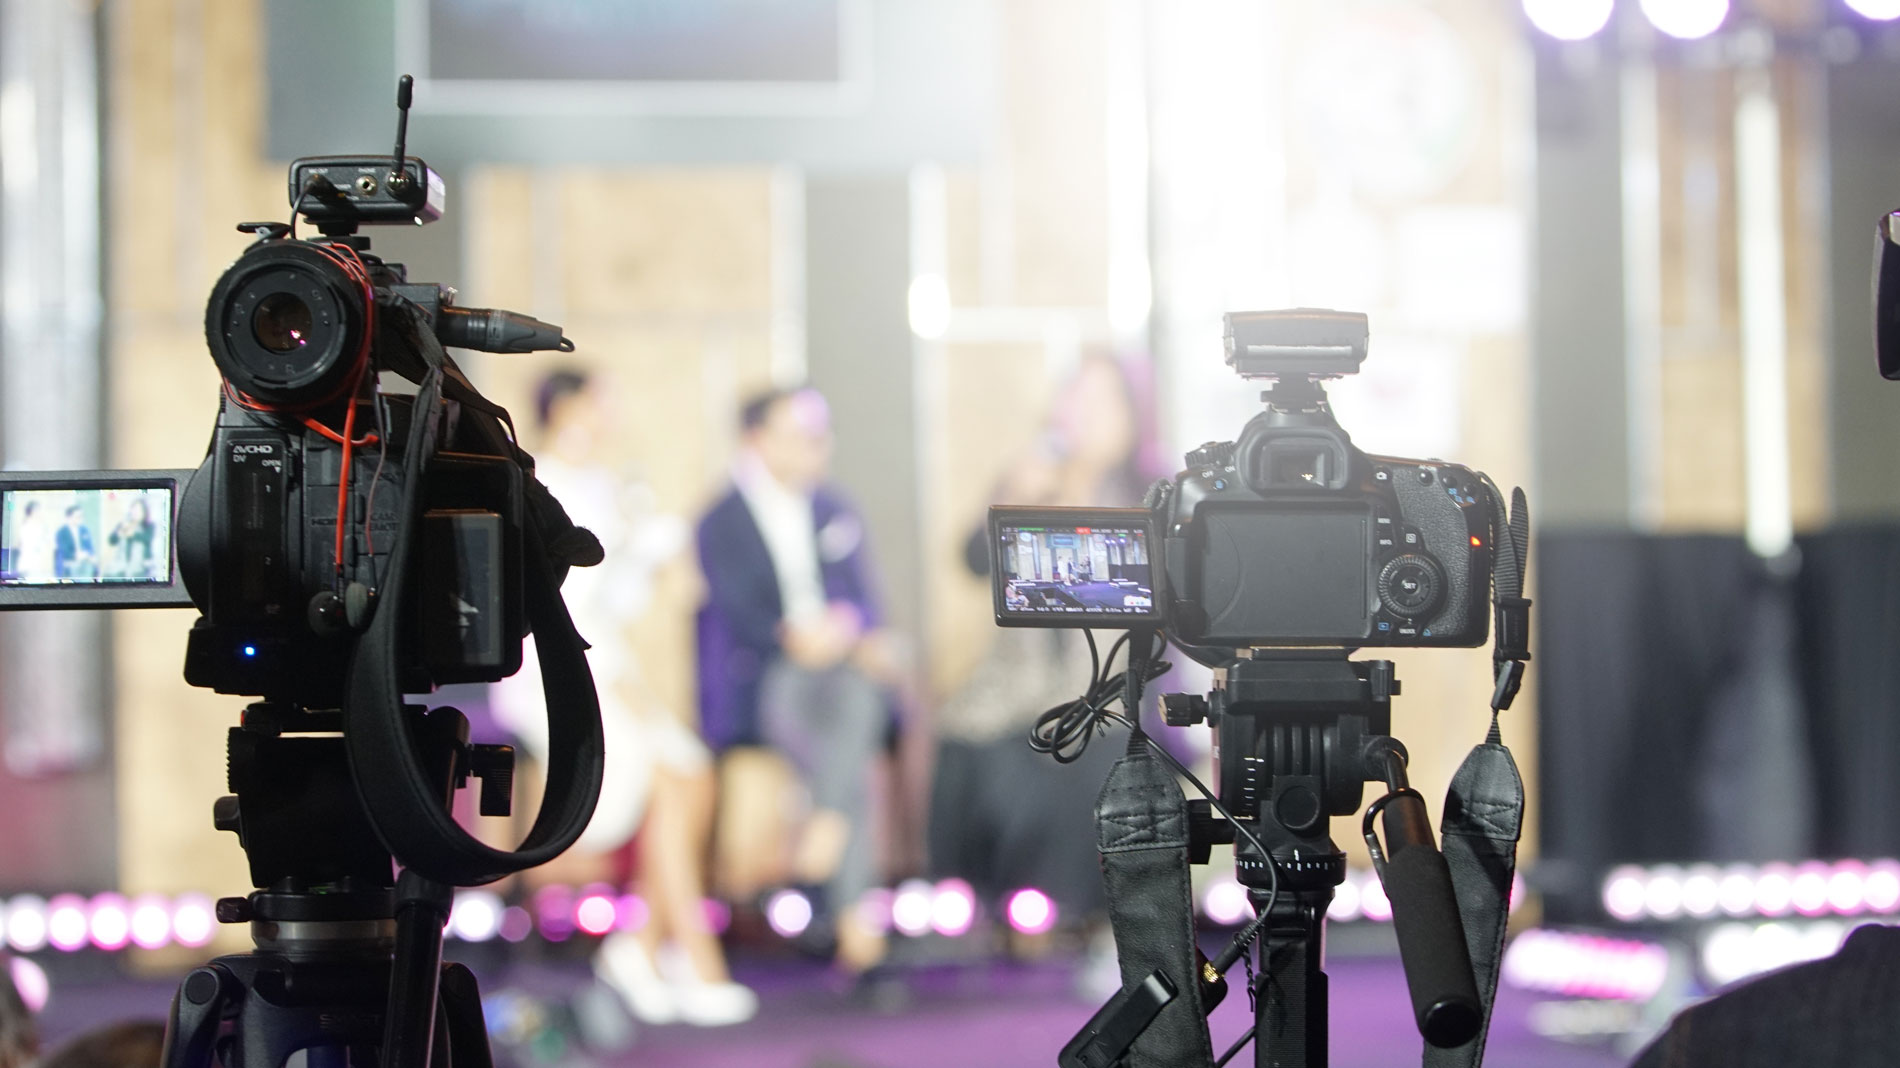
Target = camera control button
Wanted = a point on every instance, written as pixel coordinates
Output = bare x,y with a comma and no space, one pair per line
1380,474
1411,585
1425,476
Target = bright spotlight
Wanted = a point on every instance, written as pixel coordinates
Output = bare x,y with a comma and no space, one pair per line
30,980
594,914
151,922
1569,20
1624,893
1686,19
788,913
66,925
953,909
475,916
26,923
111,922
1031,912
193,921
1225,903
1878,10
911,907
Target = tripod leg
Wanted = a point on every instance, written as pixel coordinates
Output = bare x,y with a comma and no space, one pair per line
1290,1002
467,1031
197,1010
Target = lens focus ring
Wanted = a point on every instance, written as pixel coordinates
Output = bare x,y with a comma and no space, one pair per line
285,323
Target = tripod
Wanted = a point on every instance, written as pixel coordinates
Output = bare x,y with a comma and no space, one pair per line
1298,734
348,960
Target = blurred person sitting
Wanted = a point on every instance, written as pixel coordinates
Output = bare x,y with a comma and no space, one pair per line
789,652
659,780
1002,816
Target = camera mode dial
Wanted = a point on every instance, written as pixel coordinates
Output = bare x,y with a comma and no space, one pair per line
1411,585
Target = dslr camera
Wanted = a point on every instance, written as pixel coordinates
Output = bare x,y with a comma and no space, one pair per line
1287,536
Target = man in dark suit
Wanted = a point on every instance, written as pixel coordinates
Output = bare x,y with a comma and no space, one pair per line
789,651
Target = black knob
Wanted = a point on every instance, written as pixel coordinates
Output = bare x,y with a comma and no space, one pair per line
225,815
234,910
1183,709
1411,585
1215,454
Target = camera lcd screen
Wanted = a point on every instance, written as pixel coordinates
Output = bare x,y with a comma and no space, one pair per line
1288,573
89,539
1075,569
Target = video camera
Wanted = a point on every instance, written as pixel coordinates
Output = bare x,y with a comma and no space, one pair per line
1287,536
347,541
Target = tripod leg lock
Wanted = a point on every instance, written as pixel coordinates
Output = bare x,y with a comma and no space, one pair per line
197,1010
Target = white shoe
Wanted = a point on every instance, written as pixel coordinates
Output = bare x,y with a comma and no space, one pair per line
622,963
701,1003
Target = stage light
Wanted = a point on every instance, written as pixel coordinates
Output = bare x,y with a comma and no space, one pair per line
1373,904
929,302
1735,893
874,909
1701,891
554,912
953,908
110,922
66,926
1569,20
910,907
475,916
1808,891
631,912
1847,887
1578,965
1345,904
30,980
594,914
1031,912
1686,19
193,920
151,922
516,924
1882,886
26,923
1662,895
1878,10
1623,893
788,912
1774,890
718,914
1225,903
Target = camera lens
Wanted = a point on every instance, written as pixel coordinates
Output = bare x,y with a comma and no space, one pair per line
285,324
281,322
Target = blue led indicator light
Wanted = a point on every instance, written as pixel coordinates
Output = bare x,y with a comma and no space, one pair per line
250,650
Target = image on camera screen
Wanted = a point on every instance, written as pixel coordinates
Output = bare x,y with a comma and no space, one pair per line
1055,571
86,536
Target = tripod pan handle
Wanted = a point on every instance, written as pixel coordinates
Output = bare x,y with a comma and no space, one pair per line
1431,935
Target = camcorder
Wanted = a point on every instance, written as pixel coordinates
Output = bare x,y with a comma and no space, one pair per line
363,527
1287,536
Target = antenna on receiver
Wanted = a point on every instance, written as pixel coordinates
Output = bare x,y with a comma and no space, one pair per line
399,174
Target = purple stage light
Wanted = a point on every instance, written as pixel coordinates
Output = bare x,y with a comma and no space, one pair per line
30,980
718,914
193,920
150,922
475,916
554,912
1808,889
1847,888
110,922
1735,891
1624,893
1225,903
1686,19
1373,904
515,924
1662,893
874,909
1346,899
1031,912
1568,20
630,912
911,907
26,923
1877,10
788,912
1774,890
1578,965
594,914
1882,886
952,908
66,926
1701,891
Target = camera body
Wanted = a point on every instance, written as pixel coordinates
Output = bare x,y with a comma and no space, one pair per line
287,527
1287,536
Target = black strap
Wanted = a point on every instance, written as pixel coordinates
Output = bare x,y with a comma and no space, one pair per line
403,804
1484,807
1141,820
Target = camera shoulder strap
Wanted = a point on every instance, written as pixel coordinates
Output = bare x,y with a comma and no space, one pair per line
404,804
1484,807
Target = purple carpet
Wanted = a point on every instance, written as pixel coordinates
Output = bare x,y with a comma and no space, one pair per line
946,1015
